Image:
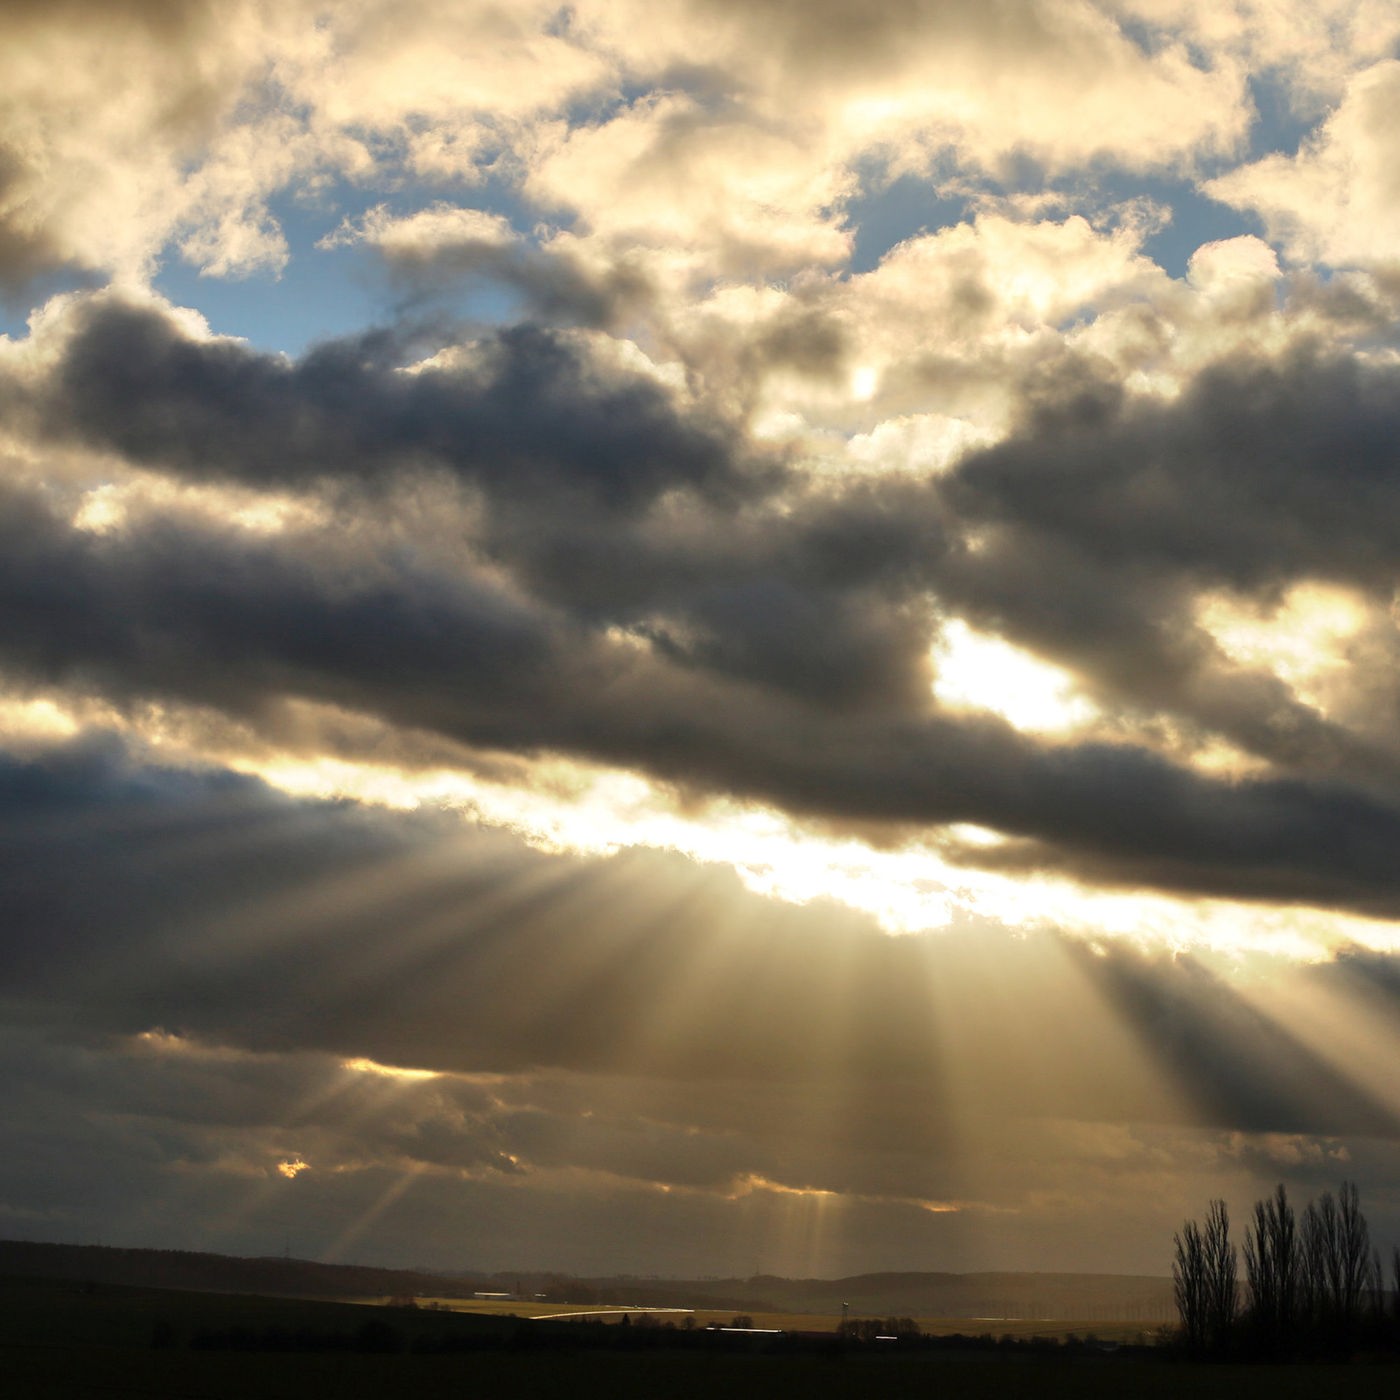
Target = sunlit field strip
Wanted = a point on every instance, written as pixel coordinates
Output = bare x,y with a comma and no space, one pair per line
1056,1328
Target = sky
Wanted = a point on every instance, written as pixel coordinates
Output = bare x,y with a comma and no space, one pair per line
700,639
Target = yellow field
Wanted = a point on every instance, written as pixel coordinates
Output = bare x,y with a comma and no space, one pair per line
1059,1328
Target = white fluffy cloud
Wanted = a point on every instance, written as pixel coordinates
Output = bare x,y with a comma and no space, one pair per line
1337,201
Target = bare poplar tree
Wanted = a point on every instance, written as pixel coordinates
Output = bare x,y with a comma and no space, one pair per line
1205,1280
1222,1279
1189,1284
1319,1254
1354,1267
1375,1305
1336,1261
1272,1260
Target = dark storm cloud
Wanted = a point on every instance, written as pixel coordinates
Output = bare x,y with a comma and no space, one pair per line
567,457
778,642
208,906
147,614
532,419
1104,518
1258,473
818,596
167,609
1266,840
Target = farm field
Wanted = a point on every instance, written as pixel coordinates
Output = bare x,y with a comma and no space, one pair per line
65,1340
1057,1329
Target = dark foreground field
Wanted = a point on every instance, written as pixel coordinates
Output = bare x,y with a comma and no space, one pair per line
193,1376
67,1340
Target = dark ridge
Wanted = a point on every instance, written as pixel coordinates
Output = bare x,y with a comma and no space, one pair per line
982,1296
221,1273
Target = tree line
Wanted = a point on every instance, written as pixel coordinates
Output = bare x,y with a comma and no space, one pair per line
1313,1285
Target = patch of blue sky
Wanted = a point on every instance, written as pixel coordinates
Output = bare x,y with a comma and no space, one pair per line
1147,37
327,292
321,294
1279,125
886,214
1195,221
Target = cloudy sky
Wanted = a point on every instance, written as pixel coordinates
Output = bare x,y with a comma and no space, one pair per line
705,638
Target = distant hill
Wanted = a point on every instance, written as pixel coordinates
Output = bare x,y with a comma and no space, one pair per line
980,1296
220,1273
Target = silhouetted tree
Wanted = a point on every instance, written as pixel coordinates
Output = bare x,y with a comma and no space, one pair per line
1355,1271
1205,1279
1272,1261
1189,1284
1223,1291
1375,1310
1336,1264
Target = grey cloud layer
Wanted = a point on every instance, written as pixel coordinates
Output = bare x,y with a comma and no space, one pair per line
1261,473
536,420
673,603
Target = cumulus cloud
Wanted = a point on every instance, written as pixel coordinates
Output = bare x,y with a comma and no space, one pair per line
1337,200
1313,46
756,116
104,107
985,80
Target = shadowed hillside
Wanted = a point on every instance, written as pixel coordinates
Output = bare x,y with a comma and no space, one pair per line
218,1273
982,1295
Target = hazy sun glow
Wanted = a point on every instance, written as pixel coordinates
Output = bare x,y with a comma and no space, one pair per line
364,1066
1302,641
114,506
24,720
981,672
1352,1029
919,884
